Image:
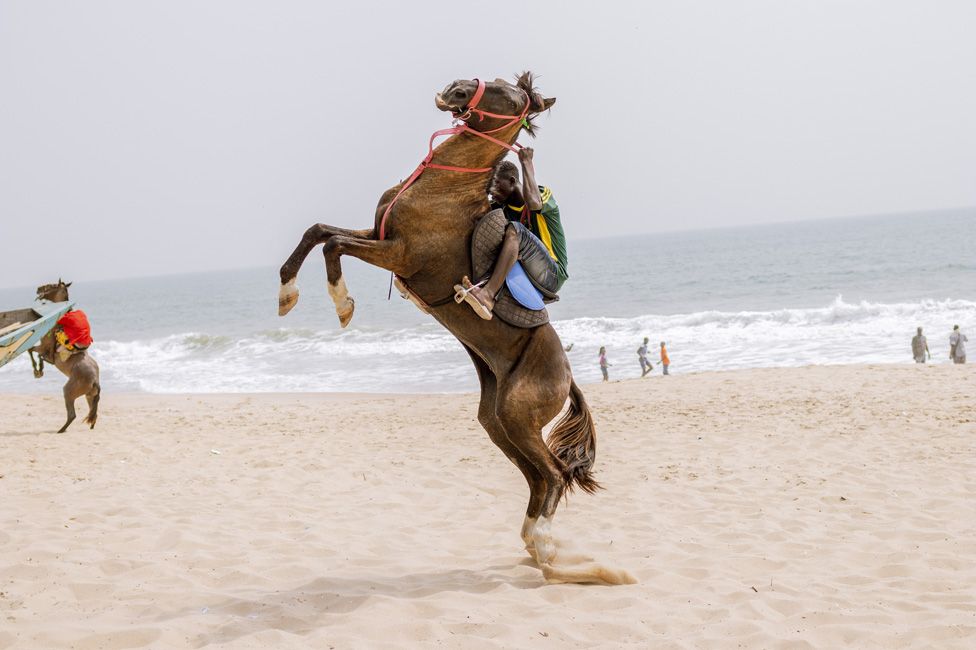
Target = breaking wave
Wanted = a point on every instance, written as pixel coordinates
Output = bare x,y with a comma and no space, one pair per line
425,358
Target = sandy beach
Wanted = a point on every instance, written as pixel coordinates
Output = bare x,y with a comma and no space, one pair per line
811,507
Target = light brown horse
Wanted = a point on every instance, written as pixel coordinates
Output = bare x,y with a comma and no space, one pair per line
79,367
524,373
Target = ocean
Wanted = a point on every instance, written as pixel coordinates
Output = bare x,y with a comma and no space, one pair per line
833,291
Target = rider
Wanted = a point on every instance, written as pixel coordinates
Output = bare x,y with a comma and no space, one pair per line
72,333
534,235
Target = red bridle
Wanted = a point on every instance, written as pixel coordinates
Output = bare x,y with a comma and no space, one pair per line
472,108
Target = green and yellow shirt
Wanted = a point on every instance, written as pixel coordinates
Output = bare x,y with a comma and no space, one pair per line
545,225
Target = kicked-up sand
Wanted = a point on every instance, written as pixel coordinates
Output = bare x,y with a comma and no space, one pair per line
816,507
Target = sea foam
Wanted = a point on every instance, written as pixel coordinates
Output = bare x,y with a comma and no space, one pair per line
426,358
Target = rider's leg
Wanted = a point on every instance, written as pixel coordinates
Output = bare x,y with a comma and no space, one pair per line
518,245
507,257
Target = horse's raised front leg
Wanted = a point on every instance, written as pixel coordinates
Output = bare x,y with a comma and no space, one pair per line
387,254
37,365
317,234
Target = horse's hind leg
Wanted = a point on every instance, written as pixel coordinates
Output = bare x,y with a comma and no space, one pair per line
70,395
317,234
489,420
529,398
93,396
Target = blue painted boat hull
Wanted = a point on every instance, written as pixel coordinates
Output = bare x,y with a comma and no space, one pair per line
44,317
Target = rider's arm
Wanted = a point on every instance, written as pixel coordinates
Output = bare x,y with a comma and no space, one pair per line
530,189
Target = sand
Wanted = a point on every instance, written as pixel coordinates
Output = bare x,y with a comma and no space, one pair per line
812,507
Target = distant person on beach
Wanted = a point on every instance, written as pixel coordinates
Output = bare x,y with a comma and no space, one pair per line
645,363
604,364
957,345
665,360
920,347
534,234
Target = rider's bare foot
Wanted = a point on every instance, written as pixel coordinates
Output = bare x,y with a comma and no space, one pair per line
484,297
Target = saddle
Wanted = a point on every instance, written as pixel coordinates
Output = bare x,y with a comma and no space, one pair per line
520,303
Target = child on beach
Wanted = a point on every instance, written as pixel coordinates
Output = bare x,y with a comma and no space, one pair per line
665,361
603,363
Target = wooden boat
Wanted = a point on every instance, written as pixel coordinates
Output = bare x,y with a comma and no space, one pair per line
21,329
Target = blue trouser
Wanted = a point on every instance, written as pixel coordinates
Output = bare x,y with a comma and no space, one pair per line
535,259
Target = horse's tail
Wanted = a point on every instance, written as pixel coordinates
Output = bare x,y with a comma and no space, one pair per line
93,406
573,441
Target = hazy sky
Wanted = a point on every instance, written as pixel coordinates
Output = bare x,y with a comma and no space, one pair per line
140,138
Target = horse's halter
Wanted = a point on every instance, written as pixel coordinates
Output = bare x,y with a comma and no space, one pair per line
461,126
471,108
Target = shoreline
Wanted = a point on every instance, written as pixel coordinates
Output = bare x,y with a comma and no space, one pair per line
354,395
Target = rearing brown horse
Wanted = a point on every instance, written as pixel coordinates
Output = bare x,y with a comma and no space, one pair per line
80,368
524,373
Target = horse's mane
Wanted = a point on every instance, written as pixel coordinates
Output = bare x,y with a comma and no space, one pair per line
526,81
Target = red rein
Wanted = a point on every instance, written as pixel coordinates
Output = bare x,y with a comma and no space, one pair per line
460,128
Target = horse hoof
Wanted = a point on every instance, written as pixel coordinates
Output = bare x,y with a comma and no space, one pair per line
345,314
287,297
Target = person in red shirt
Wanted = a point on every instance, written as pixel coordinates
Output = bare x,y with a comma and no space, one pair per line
74,332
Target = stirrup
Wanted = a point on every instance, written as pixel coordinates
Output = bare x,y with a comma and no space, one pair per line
462,291
464,295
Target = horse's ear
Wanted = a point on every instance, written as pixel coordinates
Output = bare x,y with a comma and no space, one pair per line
68,285
538,103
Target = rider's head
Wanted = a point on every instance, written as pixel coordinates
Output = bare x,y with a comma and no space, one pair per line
504,181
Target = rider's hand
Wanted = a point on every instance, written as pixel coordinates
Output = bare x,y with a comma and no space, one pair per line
525,154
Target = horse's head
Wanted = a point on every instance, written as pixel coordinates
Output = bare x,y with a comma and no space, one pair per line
54,292
500,102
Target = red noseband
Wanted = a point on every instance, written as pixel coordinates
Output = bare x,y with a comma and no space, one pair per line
477,94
